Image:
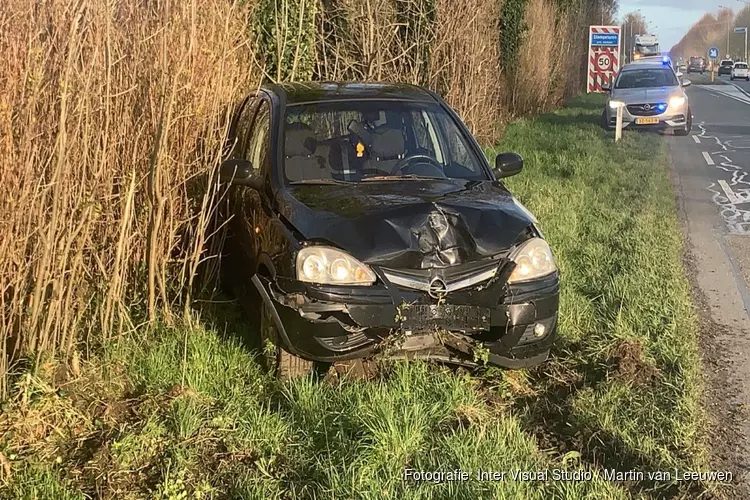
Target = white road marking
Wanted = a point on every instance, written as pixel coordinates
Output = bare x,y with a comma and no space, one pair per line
707,157
722,91
695,138
731,195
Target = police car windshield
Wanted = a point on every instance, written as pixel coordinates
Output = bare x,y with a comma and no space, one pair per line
647,77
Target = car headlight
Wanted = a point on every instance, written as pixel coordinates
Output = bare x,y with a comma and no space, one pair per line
533,260
329,266
616,104
676,101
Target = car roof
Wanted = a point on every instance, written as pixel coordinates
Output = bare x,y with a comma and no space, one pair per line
308,92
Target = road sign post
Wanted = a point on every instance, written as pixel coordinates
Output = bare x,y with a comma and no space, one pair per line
713,54
743,30
604,56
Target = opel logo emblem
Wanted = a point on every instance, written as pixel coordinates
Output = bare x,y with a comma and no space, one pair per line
647,107
437,288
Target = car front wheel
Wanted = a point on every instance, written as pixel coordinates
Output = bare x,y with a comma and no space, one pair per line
280,363
688,126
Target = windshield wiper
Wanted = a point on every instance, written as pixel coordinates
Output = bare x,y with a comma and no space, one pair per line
399,177
320,181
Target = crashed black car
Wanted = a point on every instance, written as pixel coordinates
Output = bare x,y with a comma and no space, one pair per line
367,220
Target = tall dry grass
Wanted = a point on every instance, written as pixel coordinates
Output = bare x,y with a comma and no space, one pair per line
109,117
465,63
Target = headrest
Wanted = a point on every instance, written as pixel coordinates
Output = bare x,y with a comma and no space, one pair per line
299,140
387,143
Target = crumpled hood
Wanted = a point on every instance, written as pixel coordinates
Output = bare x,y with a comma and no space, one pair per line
410,223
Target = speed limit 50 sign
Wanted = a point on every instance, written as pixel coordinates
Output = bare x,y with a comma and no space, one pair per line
604,62
604,54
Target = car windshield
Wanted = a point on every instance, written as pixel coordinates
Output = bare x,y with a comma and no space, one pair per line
642,78
358,141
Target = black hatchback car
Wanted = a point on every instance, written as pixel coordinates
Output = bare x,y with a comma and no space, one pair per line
725,67
368,220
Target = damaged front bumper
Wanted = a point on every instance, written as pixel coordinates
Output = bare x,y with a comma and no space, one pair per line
514,325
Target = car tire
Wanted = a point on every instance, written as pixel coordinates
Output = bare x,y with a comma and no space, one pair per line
280,363
688,126
603,122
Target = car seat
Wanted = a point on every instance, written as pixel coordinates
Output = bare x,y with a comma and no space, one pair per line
304,157
386,148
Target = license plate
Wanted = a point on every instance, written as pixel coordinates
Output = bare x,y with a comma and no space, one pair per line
449,317
646,121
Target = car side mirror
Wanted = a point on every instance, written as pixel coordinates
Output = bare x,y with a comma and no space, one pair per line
508,164
606,87
686,83
679,74
238,172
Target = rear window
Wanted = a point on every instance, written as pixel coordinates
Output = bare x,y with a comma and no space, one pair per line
726,63
740,66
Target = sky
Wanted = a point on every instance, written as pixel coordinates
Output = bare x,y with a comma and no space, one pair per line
672,18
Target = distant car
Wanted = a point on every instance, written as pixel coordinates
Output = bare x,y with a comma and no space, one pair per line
696,64
651,96
367,220
725,67
739,71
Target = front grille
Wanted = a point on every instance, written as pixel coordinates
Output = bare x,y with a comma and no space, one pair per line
650,109
451,278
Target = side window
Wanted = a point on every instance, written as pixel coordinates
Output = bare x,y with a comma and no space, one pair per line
258,141
241,128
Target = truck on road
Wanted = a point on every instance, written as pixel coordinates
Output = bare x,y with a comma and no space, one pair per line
645,46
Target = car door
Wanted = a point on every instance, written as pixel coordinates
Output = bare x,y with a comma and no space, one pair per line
252,206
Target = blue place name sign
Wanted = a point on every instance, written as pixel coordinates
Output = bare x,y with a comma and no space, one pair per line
599,39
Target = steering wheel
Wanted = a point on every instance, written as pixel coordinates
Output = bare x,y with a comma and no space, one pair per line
403,163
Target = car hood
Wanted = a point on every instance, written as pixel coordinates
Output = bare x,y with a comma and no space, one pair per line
411,223
645,95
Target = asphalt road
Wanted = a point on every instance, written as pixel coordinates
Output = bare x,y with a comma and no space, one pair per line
712,168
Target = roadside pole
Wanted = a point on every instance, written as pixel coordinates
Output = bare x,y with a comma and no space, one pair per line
744,31
713,54
618,127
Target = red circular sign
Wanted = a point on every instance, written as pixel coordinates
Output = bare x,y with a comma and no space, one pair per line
604,61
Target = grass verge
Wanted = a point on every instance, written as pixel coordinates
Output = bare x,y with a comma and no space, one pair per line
188,411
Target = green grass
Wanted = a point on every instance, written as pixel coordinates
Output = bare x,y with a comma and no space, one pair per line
197,416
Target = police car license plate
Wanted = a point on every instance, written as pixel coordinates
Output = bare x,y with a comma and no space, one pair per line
646,121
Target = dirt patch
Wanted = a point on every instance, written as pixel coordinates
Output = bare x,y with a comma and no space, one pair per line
630,363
